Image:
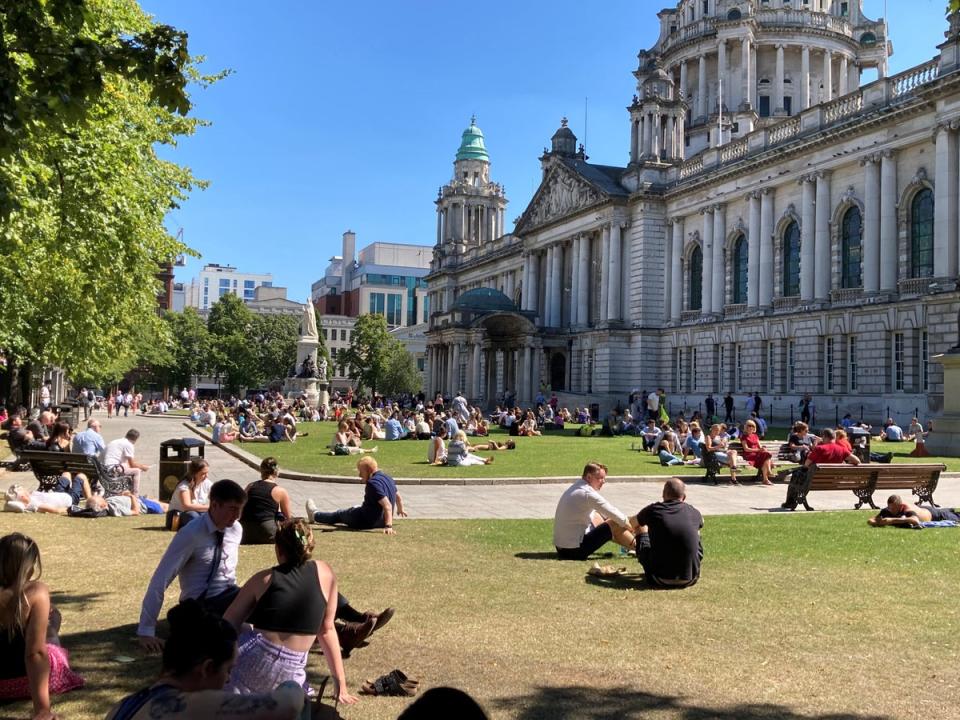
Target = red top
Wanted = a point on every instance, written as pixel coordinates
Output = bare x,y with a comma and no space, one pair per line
753,451
845,444
827,453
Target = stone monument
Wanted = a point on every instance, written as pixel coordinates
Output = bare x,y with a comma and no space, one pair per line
306,379
945,438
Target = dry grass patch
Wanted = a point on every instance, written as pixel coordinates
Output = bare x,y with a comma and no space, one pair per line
796,616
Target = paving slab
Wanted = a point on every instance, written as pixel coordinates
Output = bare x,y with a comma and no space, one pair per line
494,500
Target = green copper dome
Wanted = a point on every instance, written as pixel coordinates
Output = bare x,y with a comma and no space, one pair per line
471,144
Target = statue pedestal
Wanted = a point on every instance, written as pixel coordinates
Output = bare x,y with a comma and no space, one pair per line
302,387
945,438
324,398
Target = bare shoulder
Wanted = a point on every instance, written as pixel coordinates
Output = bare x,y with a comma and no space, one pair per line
36,590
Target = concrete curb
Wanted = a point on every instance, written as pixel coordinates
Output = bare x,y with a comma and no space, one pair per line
254,462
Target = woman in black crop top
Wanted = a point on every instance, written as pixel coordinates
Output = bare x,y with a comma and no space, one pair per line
32,663
289,606
267,503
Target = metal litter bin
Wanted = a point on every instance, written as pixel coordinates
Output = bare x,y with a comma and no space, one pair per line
175,457
68,414
595,412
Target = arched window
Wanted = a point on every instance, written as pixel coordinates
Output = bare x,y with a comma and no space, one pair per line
734,14
921,234
696,279
791,260
851,252
740,261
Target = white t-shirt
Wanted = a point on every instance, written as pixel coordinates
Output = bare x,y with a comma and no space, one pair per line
58,500
117,452
653,402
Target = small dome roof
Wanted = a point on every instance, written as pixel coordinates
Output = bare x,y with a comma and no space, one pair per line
484,300
471,144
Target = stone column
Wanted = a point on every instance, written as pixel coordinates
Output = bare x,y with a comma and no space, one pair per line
827,76
722,70
604,272
475,372
706,282
668,235
945,203
745,68
428,389
753,73
702,88
807,238
683,80
804,77
575,282
647,139
455,368
822,242
676,285
534,259
525,281
778,105
888,221
844,75
766,248
625,273
548,295
753,263
634,140
439,226
719,244
656,131
508,284
583,285
871,224
556,287
529,391
613,294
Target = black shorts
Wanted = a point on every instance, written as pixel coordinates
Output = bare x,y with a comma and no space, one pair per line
595,538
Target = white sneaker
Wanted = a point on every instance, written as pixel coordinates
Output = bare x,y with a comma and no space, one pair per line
15,506
311,509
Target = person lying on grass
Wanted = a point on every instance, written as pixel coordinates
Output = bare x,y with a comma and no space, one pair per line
904,514
585,521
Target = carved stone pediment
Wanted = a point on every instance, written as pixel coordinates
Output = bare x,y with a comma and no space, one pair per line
560,195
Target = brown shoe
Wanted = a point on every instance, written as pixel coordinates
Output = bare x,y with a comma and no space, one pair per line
379,619
352,634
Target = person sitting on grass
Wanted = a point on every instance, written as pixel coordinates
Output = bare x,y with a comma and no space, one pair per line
585,521
437,449
904,514
528,428
669,450
346,442
32,664
267,503
381,501
459,455
288,607
668,539
755,454
191,496
197,660
891,432
651,436
224,431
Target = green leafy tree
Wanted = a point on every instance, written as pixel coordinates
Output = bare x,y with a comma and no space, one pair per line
192,347
274,340
230,325
366,357
91,88
400,373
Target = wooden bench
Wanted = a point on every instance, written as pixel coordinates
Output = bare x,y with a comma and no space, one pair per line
49,466
863,480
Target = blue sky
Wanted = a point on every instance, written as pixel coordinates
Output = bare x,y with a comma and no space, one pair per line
347,115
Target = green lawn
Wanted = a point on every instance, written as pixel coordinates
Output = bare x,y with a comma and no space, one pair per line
556,453
796,615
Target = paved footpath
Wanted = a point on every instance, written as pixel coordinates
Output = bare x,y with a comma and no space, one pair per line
459,501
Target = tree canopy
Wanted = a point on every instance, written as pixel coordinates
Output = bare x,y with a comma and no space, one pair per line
90,89
377,361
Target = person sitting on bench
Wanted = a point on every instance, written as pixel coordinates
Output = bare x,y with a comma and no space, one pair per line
904,514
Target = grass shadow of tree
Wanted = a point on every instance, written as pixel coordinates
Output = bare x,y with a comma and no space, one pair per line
588,703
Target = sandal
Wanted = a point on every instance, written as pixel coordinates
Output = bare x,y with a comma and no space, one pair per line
394,683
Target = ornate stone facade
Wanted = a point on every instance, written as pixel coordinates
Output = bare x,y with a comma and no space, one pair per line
780,229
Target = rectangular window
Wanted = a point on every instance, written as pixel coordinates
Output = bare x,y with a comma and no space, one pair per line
426,308
377,303
924,361
394,303
898,362
224,283
249,284
764,106
738,379
791,368
421,364
694,376
788,104
828,365
333,353
343,335
851,364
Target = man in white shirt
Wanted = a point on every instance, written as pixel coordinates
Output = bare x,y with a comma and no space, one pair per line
585,521
203,556
118,459
45,395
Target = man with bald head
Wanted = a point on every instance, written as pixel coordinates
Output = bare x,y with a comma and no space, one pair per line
381,502
668,539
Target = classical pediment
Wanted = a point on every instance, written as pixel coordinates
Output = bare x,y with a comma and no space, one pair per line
563,193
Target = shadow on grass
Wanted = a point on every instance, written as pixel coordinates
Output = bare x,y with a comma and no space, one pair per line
61,599
626,581
552,555
583,703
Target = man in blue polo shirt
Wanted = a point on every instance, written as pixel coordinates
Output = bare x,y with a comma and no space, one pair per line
393,429
380,501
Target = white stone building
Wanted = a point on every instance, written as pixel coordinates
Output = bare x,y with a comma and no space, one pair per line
799,237
214,281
